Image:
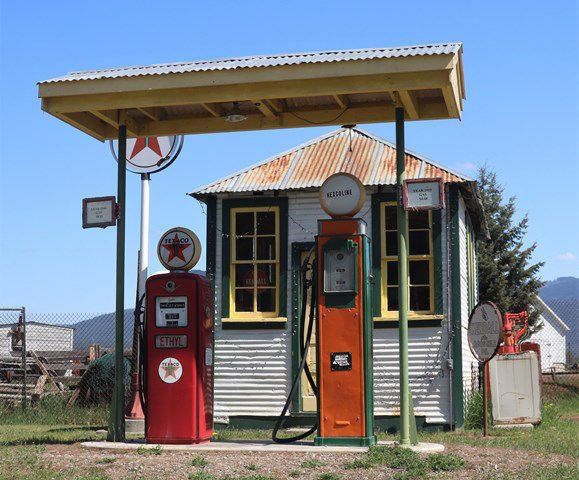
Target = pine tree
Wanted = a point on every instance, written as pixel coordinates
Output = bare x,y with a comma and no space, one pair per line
506,276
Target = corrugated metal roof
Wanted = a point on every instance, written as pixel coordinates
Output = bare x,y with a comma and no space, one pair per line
370,158
260,61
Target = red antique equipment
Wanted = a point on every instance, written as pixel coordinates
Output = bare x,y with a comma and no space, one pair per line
178,359
514,327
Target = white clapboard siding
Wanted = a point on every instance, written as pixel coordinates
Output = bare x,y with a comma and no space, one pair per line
5,340
40,337
469,362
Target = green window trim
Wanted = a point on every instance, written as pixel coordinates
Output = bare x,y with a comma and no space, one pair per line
377,200
227,205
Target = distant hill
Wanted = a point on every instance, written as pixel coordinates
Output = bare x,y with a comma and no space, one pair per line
562,287
101,329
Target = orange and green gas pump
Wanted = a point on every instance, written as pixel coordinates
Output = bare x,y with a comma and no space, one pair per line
344,319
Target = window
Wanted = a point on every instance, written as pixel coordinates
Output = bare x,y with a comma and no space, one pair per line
420,264
254,274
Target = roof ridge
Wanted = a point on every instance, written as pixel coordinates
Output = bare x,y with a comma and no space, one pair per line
267,55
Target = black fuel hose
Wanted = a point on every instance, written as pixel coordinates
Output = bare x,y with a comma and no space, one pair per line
304,347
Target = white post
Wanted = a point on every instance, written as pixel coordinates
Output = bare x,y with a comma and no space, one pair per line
145,179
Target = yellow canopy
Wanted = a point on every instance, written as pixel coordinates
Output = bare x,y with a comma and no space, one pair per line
280,91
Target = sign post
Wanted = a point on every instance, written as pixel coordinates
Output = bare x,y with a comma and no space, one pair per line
484,337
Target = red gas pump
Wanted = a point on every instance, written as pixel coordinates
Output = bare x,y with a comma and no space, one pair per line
178,346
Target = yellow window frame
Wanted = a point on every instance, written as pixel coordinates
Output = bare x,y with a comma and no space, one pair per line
384,259
255,315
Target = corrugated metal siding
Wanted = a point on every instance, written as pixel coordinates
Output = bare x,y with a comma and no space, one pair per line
253,368
370,158
261,61
469,362
39,337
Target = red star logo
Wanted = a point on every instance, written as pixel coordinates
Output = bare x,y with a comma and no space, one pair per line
147,142
171,370
176,249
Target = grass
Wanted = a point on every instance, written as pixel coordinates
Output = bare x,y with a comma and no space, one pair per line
156,450
559,472
252,467
312,463
198,462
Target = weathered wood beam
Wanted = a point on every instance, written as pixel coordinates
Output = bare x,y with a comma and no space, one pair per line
264,108
153,113
112,117
342,101
214,110
372,114
410,104
279,105
269,90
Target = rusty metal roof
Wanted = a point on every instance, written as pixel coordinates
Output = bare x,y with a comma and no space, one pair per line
370,158
258,61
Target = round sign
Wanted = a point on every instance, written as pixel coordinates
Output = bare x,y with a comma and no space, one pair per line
170,370
150,154
179,249
485,328
342,195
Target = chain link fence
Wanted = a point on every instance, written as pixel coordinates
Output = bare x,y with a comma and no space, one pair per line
65,360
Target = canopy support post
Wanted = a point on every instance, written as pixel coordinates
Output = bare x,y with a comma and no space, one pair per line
116,432
402,220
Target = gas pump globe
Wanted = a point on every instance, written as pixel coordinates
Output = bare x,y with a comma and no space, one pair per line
178,346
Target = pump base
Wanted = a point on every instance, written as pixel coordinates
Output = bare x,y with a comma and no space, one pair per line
346,441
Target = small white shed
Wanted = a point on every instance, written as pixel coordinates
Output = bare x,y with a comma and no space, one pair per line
552,337
41,337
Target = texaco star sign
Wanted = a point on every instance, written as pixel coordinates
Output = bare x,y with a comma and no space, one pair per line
179,249
150,154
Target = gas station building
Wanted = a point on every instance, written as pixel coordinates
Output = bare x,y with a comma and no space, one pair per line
261,222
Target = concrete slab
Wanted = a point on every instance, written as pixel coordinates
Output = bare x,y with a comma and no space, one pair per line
249,446
135,426
520,426
420,448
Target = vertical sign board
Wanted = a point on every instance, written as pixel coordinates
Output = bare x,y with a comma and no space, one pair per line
485,328
99,212
423,194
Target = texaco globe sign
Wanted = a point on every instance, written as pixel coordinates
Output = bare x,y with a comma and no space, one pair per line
342,195
485,331
150,154
179,249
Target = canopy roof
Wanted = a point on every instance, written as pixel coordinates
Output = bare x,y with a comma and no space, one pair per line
273,91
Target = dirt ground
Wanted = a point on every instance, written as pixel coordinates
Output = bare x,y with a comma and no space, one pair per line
482,464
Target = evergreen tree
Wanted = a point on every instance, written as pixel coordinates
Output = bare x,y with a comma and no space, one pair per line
506,276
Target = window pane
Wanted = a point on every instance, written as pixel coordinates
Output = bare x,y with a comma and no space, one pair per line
243,300
266,248
266,275
244,275
392,273
390,218
392,293
419,298
244,248
419,272
266,223
266,300
419,242
391,243
244,223
418,219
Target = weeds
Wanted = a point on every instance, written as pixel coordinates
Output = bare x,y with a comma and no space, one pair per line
330,476
252,467
107,460
156,450
445,462
200,475
312,463
198,462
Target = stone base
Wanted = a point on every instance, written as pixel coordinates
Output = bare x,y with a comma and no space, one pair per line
520,426
135,426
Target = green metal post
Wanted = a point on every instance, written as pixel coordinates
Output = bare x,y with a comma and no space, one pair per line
402,221
117,424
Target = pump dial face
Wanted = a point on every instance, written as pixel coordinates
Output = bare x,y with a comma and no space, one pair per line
179,249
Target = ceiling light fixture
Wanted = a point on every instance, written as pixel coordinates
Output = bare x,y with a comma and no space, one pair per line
235,115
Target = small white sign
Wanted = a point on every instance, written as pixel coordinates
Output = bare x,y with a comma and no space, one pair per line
342,195
208,356
170,370
98,212
423,194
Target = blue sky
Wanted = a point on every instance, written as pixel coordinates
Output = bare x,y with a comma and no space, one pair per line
520,118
